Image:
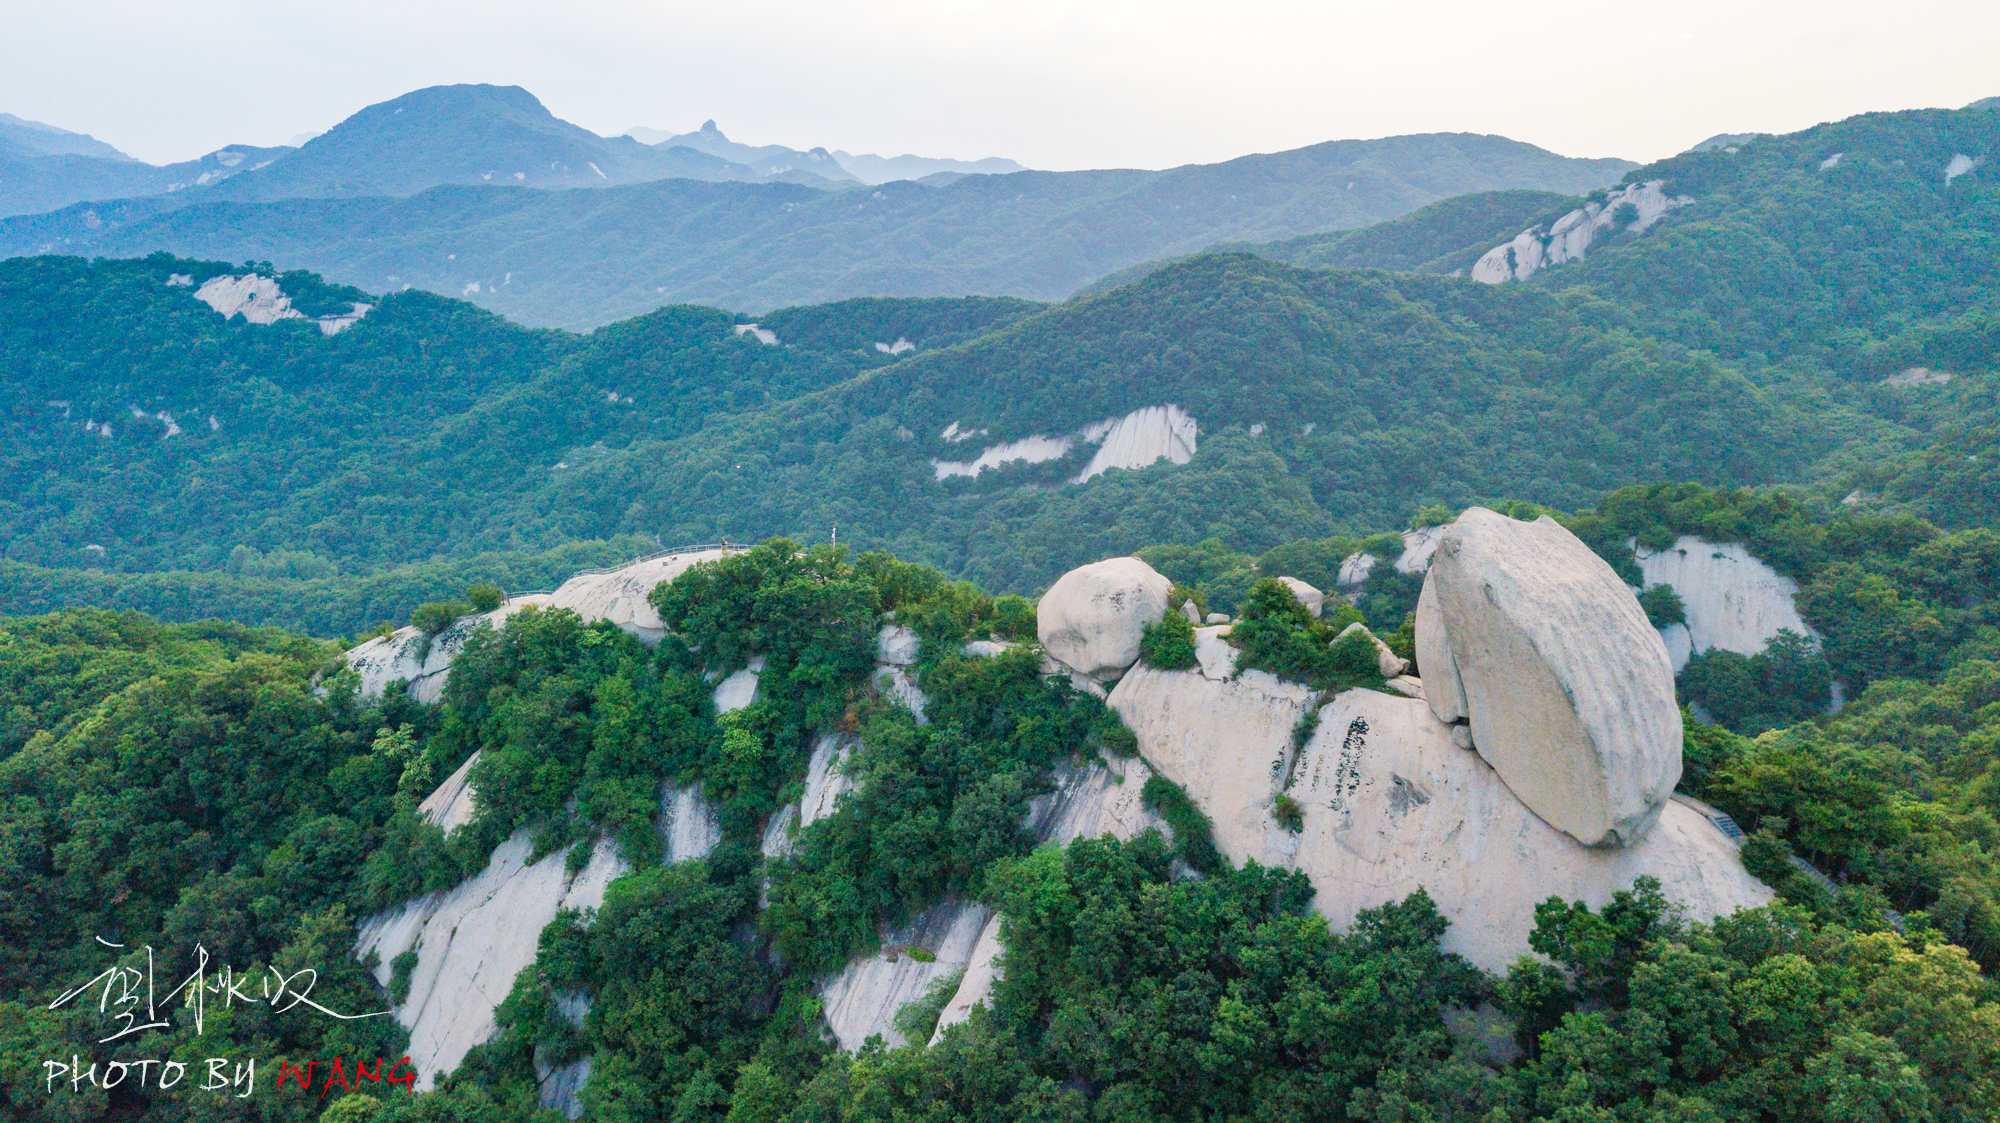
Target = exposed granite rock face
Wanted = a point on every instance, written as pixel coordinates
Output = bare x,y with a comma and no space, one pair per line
1227,741
1733,601
1092,617
739,689
1634,208
472,940
825,783
1391,805
897,646
864,998
1442,689
690,825
1568,687
618,596
1312,598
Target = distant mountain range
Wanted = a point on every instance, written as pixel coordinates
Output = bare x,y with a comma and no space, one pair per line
467,134
774,159
428,191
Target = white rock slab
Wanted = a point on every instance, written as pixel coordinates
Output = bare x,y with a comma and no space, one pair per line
1442,688
826,782
1090,801
1391,805
897,646
1092,618
1569,238
1733,601
452,804
690,826
864,998
896,685
1228,743
739,690
472,940
618,596
1141,438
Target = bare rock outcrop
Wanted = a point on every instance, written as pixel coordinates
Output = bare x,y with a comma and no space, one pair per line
1391,804
1089,801
1568,687
1092,617
864,998
618,595
1733,601
1633,208
1226,740
1312,598
471,940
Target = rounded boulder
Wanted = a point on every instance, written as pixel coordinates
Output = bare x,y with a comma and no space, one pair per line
1092,617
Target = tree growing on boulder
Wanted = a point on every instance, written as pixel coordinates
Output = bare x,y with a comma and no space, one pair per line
1168,643
433,617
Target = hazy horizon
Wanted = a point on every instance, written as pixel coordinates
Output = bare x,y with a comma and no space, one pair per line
1105,83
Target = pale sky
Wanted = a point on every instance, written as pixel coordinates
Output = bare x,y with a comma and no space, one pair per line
1054,84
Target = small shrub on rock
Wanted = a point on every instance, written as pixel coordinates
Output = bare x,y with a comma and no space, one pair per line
433,617
485,596
1663,606
1289,814
1168,643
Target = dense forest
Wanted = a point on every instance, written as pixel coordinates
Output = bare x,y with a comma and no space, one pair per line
1131,992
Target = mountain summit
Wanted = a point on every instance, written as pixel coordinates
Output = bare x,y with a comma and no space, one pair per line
468,134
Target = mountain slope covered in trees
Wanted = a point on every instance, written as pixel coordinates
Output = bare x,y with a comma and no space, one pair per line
431,432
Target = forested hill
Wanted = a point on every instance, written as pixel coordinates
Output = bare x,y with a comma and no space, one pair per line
1868,245
583,258
1323,400
145,433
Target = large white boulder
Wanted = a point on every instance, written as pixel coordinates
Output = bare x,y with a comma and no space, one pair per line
1312,598
1092,617
1568,687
